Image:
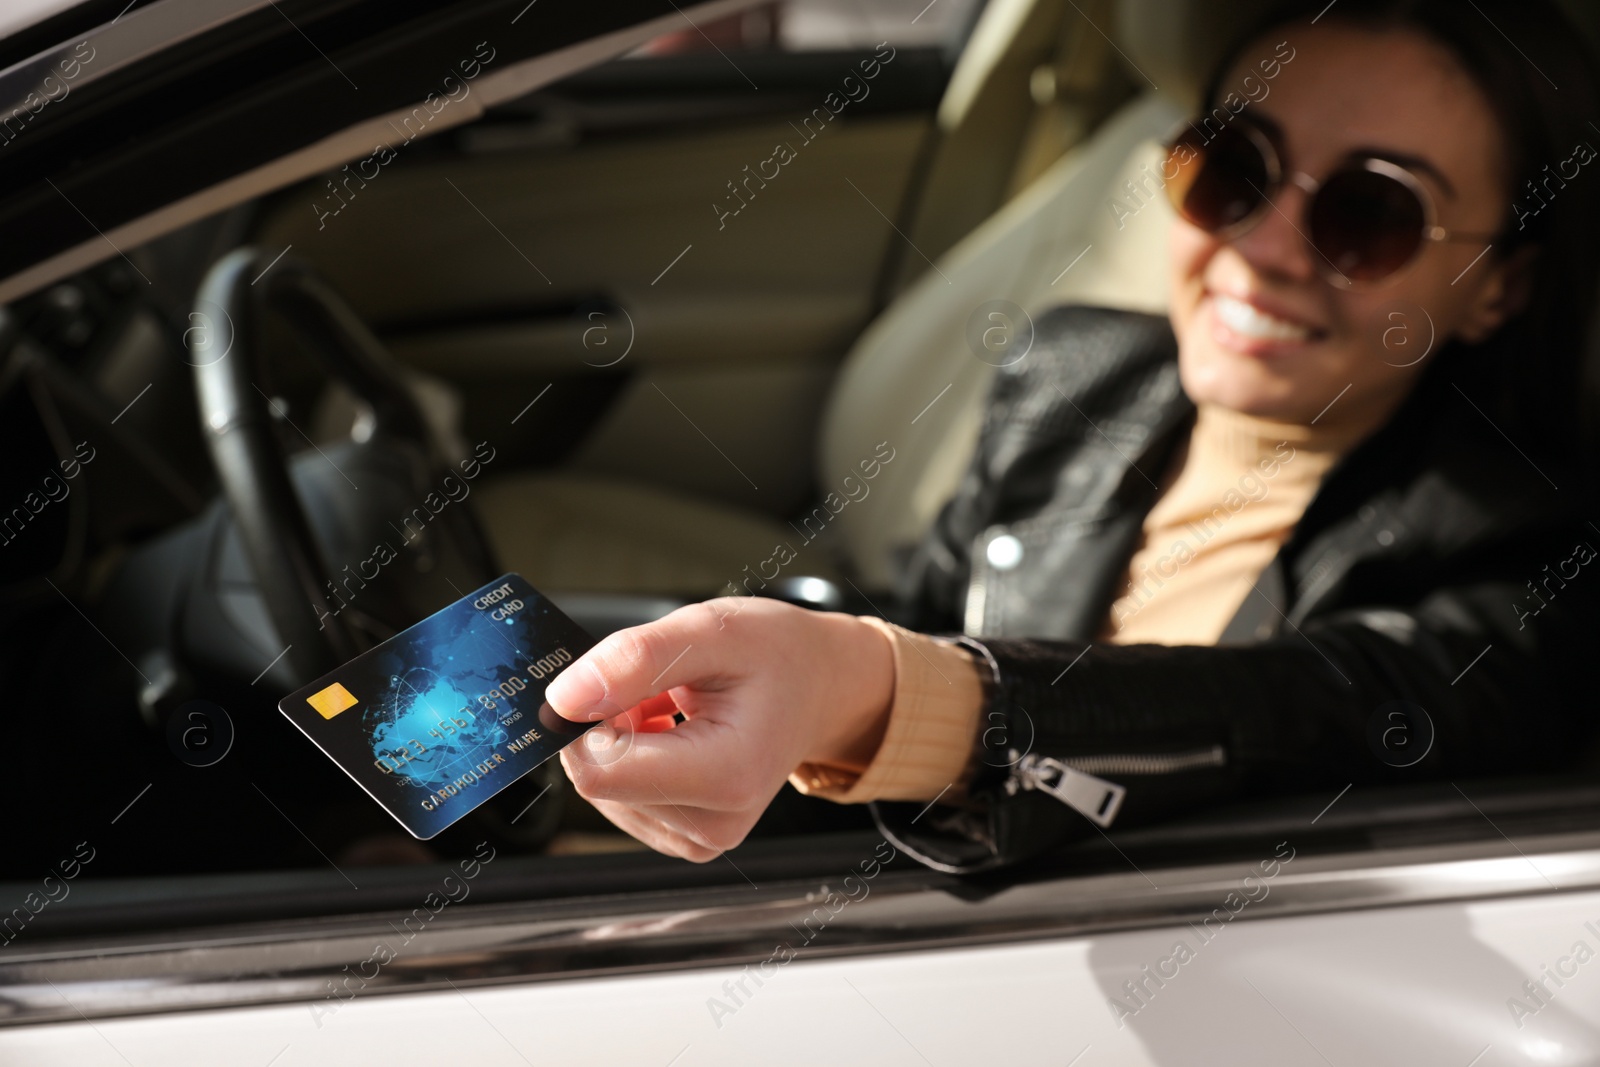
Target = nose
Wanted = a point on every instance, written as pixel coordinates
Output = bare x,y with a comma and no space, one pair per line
1278,246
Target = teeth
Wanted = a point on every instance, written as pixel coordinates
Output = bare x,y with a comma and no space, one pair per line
1247,321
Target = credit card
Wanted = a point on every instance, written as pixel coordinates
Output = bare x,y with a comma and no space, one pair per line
444,715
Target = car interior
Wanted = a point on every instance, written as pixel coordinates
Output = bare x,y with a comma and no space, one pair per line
658,359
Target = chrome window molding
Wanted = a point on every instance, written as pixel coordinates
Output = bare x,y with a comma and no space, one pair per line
300,961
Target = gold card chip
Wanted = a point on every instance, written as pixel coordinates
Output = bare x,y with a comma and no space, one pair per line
332,700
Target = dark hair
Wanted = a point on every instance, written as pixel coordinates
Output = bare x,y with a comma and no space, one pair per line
1534,67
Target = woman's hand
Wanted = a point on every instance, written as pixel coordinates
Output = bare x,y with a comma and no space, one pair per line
764,687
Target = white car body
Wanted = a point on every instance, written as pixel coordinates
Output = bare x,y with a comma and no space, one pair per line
1459,955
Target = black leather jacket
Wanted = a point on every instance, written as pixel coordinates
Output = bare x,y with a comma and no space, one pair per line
1439,567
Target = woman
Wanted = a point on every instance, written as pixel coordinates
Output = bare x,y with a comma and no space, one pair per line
1332,509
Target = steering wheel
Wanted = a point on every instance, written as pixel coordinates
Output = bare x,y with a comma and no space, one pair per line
360,486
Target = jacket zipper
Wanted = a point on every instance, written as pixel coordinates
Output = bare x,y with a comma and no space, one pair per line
1146,763
1073,780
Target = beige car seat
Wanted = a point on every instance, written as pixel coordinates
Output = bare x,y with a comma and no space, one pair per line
912,379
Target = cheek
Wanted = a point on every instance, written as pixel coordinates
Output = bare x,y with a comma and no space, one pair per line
1189,251
1367,323
1393,326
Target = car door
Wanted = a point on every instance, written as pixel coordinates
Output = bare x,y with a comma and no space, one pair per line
182,916
1379,926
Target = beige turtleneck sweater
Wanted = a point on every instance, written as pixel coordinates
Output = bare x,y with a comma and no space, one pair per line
1229,500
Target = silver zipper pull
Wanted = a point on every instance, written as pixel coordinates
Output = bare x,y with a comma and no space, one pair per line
1094,798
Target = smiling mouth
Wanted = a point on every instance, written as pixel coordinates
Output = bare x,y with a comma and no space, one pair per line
1251,323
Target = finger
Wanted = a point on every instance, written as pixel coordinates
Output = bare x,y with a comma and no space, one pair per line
654,832
721,830
697,763
646,830
640,662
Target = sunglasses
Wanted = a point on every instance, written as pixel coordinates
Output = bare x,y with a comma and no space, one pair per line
1366,222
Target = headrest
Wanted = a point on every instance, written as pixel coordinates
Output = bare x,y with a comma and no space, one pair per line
1173,44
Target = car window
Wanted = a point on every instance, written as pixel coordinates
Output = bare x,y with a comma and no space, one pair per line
127,595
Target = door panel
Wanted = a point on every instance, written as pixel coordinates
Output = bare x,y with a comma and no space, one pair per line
488,267
744,434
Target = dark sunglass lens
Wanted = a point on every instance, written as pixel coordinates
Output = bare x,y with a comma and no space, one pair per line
1368,225
1219,182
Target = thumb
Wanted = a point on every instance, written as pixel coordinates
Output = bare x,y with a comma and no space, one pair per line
635,664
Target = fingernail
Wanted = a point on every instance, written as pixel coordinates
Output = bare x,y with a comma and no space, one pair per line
577,693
